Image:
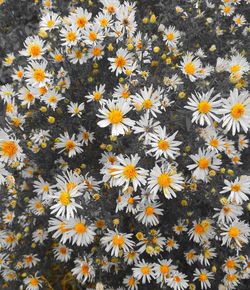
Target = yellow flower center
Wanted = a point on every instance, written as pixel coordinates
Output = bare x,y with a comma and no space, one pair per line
50,23
8,148
231,277
115,116
29,97
52,99
78,54
92,36
33,282
71,36
34,50
39,75
235,68
203,277
147,104
237,110
80,228
81,21
233,232
199,229
149,211
189,68
104,22
96,51
170,36
85,269
227,9
120,61
58,57
214,142
177,279
164,269
230,264
164,180
203,163
163,145
118,240
204,107
131,281
65,198
97,96
129,171
145,270
235,187
70,145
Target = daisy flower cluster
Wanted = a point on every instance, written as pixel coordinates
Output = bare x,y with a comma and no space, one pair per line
124,148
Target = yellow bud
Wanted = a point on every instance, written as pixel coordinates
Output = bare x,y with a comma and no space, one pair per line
13,203
19,236
187,148
96,196
145,20
42,33
158,249
168,60
182,95
152,19
223,201
23,275
230,172
103,146
248,206
51,120
44,145
139,236
130,46
90,79
222,170
43,109
192,286
149,249
163,56
83,166
110,47
29,144
214,269
98,261
128,72
109,147
113,138
154,63
213,190
153,232
121,80
33,245
116,222
212,173
26,229
156,49
184,202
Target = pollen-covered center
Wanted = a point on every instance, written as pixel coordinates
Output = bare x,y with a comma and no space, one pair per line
164,180
190,68
65,198
163,145
233,232
129,171
80,228
237,110
8,148
118,240
204,107
120,61
115,116
203,163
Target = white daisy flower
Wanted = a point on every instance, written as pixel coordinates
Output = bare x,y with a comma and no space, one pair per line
148,213
148,100
114,241
75,109
228,213
68,144
144,271
34,47
203,276
177,281
114,115
165,179
80,18
171,36
162,269
204,107
125,172
191,66
36,74
236,111
84,270
121,62
62,253
33,282
79,232
204,161
239,189
236,233
238,65
201,231
70,35
163,144
50,21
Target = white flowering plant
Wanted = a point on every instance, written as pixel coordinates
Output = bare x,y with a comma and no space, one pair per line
124,147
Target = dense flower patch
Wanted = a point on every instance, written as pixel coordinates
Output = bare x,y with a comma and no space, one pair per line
122,148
